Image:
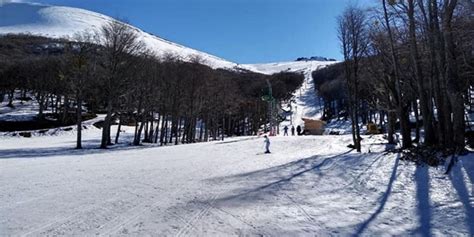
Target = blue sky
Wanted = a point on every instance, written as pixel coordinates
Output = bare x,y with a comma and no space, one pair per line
243,31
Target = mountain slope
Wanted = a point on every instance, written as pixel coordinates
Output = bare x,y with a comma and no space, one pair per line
305,102
65,22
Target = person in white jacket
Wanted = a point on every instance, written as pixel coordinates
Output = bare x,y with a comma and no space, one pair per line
267,144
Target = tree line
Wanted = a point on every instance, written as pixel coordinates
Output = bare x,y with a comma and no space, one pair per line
168,100
406,59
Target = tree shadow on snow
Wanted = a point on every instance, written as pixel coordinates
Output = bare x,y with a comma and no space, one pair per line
468,165
237,140
280,175
423,207
383,199
89,147
457,180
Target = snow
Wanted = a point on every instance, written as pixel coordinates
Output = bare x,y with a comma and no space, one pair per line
305,102
295,66
66,22
341,126
22,111
309,185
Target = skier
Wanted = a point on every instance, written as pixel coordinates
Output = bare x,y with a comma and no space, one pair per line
292,130
267,144
285,129
298,130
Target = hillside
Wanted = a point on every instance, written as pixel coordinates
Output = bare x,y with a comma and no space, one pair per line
66,22
305,102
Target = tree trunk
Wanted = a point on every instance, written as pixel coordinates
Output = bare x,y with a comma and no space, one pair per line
105,141
79,120
206,132
405,127
119,127
423,90
164,129
157,129
417,119
223,126
454,84
145,137
177,129
11,96
151,135
65,109
41,99
401,107
356,113
138,136
392,119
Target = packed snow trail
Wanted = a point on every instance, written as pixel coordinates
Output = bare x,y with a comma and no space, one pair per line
308,186
305,102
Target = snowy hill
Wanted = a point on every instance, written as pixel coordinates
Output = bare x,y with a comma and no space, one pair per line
65,22
305,102
295,66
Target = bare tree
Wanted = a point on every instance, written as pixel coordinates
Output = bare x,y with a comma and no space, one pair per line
80,65
121,43
353,38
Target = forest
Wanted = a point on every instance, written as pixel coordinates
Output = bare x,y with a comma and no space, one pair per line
409,64
168,100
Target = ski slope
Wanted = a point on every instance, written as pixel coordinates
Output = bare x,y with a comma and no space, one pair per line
305,102
311,185
67,22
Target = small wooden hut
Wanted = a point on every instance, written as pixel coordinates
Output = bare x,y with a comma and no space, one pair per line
372,129
313,126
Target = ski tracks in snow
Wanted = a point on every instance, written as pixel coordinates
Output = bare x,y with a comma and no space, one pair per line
120,222
63,224
206,207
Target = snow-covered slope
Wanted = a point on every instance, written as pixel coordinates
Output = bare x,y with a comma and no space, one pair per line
308,186
293,66
65,22
305,102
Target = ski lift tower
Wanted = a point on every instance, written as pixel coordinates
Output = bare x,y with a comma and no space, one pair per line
269,98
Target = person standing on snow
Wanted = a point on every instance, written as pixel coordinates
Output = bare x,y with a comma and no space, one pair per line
298,130
285,129
267,144
292,130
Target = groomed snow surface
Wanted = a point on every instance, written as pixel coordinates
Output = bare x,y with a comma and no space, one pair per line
311,185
